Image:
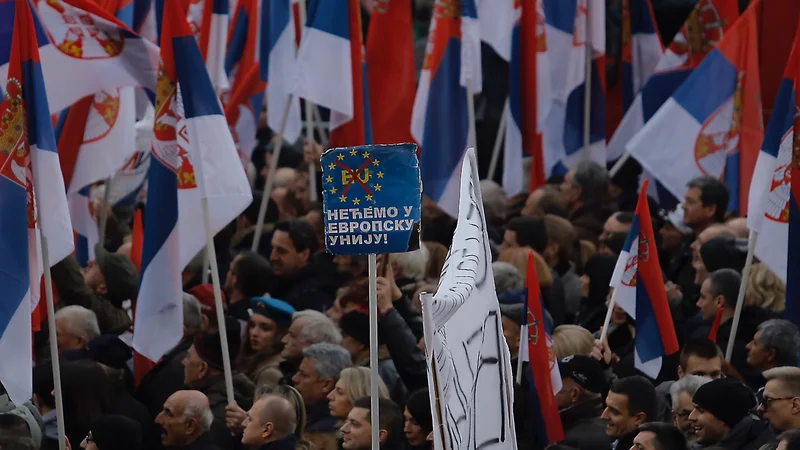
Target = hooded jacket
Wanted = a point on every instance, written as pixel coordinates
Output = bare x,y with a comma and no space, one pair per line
749,434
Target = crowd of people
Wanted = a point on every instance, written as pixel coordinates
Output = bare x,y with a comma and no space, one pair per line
297,327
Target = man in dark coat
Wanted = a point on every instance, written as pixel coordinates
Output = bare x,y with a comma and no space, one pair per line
580,402
270,424
298,283
586,190
185,421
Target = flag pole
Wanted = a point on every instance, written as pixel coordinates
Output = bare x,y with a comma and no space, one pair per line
587,92
273,166
104,211
618,164
610,311
320,126
498,141
737,314
473,139
372,266
309,120
223,336
51,326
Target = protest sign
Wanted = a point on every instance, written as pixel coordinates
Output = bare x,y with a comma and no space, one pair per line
371,197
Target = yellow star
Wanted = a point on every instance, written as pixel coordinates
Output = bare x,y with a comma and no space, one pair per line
329,179
369,197
375,162
365,154
377,187
356,201
353,152
380,174
331,166
333,190
340,157
342,198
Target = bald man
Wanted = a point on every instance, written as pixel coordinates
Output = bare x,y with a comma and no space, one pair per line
185,421
271,420
738,225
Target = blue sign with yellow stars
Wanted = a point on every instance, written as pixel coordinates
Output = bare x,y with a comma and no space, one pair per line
371,199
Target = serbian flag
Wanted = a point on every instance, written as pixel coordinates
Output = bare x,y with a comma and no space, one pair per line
194,164
641,50
544,379
331,71
85,50
278,67
242,39
529,98
640,292
702,31
390,71
713,124
440,121
569,25
32,197
774,211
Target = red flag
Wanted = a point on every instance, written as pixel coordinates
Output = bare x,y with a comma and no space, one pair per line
540,360
390,71
137,239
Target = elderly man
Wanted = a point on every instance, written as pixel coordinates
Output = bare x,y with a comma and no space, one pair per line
185,421
681,393
631,401
586,190
102,286
315,379
308,327
75,327
775,344
780,401
357,429
721,416
270,424
203,371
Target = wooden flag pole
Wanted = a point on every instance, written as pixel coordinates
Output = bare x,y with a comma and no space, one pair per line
737,314
104,211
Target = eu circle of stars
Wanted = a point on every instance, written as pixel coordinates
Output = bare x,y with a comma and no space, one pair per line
351,176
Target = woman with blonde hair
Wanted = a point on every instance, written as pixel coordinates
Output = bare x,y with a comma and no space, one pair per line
572,340
354,382
765,289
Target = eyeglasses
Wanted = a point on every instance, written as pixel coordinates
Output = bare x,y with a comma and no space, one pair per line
767,401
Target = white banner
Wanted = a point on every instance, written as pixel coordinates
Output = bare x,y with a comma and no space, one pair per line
471,383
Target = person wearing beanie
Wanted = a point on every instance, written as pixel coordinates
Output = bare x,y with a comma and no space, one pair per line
355,339
418,420
204,293
580,402
107,281
261,349
721,416
203,371
113,432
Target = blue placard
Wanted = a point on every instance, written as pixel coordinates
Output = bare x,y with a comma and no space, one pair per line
371,199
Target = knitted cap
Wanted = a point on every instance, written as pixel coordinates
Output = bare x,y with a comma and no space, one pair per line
356,325
727,399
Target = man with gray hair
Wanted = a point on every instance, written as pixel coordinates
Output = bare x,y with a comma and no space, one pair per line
506,277
682,392
315,379
775,344
185,421
75,327
779,404
585,189
308,327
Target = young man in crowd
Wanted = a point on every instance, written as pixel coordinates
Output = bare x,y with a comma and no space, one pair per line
357,429
631,401
658,436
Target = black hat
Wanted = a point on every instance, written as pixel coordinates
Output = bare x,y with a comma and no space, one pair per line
724,253
356,325
513,311
114,432
121,276
727,399
209,347
585,371
106,349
